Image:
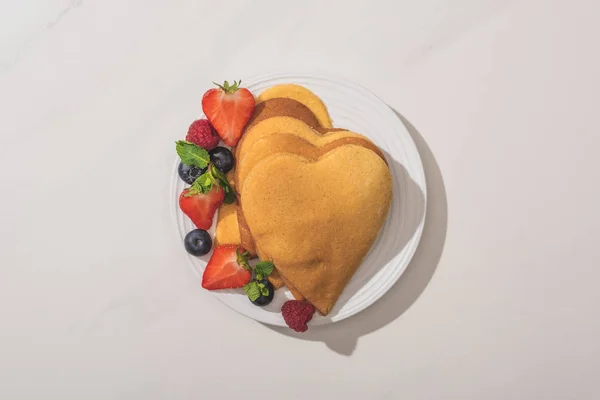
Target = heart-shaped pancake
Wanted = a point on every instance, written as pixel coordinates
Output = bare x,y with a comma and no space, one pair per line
284,107
299,105
262,127
310,148
280,124
229,230
317,220
302,95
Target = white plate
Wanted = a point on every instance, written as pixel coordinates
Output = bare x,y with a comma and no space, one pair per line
354,108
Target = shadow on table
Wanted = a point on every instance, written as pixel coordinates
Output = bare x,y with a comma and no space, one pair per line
342,337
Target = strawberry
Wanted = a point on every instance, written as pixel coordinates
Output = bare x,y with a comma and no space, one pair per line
200,207
227,268
201,200
228,109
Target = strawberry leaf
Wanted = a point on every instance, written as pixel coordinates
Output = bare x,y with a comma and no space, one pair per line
242,258
227,88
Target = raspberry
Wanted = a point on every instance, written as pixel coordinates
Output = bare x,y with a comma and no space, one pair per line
203,134
297,313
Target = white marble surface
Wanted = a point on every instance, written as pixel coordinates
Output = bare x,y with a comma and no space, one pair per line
501,302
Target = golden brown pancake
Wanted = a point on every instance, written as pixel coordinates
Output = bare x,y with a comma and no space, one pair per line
232,227
276,107
278,124
280,107
275,126
297,295
309,148
246,239
268,126
317,220
302,95
227,230
276,280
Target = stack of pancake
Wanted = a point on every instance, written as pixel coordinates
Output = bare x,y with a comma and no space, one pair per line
310,197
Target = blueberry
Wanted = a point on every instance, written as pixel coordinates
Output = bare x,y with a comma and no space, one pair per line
189,174
222,159
198,242
264,300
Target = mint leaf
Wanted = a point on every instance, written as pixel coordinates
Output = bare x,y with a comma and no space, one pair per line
252,290
218,174
229,195
263,269
224,183
191,154
264,290
203,184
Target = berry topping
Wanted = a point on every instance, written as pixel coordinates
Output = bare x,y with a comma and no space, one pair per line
201,207
228,108
266,293
222,158
260,291
202,134
189,174
201,200
297,313
198,242
227,268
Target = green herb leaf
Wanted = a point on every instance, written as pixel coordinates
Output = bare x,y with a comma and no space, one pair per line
224,183
203,184
229,196
263,269
191,154
264,290
218,174
252,290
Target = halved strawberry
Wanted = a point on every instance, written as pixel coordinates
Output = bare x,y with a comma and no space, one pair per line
227,268
228,109
199,207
